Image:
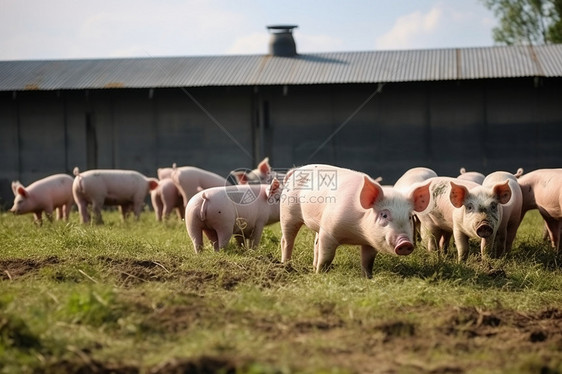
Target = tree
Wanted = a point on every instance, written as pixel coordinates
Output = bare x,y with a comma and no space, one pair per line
527,21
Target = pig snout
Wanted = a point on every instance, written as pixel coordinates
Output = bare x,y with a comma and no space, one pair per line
484,230
403,246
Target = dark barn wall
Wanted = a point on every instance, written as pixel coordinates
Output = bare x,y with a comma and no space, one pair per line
483,125
45,132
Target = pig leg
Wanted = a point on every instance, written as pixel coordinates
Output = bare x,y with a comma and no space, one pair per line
37,218
166,211
553,226
430,236
213,238
315,261
444,241
157,205
290,232
461,241
136,207
59,213
96,209
255,238
196,235
66,211
368,255
223,238
326,251
83,211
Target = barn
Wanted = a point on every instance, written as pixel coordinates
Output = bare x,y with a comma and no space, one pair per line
381,112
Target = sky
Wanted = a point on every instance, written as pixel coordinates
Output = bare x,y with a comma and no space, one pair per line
73,29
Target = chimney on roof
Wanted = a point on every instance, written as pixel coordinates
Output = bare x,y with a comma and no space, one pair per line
281,42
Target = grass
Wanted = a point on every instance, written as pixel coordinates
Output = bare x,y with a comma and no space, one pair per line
134,297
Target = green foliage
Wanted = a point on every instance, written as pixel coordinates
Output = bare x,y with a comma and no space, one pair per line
527,21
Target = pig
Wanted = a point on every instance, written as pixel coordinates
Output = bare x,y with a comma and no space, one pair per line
541,190
408,180
510,212
189,180
165,198
99,187
413,176
473,176
264,173
164,173
261,174
344,206
242,210
44,195
463,209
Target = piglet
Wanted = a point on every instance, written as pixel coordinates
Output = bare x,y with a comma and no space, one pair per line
510,215
465,210
166,198
542,190
44,195
99,187
221,212
472,176
347,207
189,180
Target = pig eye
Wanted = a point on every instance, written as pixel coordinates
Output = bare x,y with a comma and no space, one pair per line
494,206
384,217
469,207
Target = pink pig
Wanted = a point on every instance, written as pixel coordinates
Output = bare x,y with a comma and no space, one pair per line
347,207
44,195
542,190
472,176
243,210
165,198
413,176
510,212
99,187
464,209
261,174
189,180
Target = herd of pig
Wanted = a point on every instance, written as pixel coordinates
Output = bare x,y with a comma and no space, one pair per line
341,206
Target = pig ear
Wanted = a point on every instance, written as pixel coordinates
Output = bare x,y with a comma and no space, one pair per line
264,167
21,191
273,188
152,184
421,196
370,193
15,185
502,192
241,177
458,194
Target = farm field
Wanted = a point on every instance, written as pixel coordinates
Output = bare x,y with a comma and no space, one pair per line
133,297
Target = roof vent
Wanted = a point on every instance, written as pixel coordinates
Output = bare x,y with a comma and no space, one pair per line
281,42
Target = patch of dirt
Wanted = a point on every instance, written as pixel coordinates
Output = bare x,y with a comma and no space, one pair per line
85,365
15,268
202,365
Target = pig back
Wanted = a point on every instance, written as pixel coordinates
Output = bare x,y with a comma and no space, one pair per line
319,193
117,185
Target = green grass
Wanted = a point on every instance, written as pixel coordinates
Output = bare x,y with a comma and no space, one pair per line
134,297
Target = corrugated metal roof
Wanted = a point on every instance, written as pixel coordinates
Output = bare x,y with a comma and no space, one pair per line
318,68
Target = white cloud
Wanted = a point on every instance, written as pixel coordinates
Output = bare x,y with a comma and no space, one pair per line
255,43
408,29
444,25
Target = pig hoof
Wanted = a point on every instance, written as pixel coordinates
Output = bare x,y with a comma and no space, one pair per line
484,231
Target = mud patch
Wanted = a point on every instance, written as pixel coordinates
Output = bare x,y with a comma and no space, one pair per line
12,269
202,365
